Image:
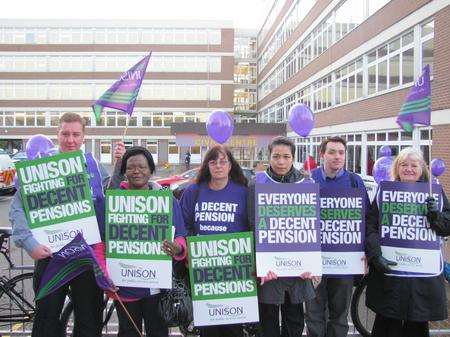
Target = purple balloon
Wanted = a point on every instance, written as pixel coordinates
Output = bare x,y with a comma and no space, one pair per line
37,146
382,169
220,126
437,167
301,119
385,151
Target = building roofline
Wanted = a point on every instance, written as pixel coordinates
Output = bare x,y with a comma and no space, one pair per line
104,23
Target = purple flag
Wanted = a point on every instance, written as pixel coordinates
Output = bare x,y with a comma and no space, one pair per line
73,259
417,107
123,93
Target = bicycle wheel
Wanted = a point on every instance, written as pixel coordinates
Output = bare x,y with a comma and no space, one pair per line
16,300
362,316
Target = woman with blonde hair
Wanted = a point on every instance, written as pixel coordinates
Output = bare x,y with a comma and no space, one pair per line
405,305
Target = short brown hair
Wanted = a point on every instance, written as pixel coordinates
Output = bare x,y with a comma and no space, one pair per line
335,139
72,117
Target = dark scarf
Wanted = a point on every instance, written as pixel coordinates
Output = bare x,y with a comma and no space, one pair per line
292,176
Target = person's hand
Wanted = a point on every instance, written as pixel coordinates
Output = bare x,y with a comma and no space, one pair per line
40,252
433,211
366,267
383,265
269,277
119,150
171,248
307,275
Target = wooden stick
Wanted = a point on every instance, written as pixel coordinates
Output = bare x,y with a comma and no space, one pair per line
126,128
128,314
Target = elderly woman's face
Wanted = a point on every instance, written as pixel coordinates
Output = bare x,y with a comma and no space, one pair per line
410,170
137,172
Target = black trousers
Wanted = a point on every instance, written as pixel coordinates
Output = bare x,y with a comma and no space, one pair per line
333,296
222,331
389,327
145,309
87,300
292,316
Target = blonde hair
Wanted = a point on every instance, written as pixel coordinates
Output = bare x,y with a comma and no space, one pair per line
413,154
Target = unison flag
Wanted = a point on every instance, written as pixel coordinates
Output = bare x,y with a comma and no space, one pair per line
72,260
417,107
123,93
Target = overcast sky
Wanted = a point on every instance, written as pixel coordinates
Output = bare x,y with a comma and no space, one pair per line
244,13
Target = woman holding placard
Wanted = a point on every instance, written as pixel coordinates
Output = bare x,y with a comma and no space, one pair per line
404,301
217,204
137,166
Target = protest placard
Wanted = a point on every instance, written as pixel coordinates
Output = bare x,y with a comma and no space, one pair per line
223,284
342,222
287,229
137,223
57,200
405,234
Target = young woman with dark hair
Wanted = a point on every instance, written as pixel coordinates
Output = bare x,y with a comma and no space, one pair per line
283,295
217,204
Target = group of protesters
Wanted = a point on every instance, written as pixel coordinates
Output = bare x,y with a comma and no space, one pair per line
403,305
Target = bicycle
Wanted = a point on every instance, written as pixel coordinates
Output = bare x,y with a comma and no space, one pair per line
16,301
362,316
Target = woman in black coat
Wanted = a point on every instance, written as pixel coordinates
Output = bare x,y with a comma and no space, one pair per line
405,305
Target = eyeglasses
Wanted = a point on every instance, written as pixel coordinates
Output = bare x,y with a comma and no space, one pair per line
218,162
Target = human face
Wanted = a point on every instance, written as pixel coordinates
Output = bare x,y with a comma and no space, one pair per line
409,170
219,168
333,158
137,172
70,136
281,159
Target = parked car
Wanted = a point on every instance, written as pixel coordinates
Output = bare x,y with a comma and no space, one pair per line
166,182
19,156
7,173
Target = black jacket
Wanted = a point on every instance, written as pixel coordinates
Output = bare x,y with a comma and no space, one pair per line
406,298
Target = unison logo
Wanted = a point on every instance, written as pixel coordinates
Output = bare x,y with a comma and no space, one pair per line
129,270
224,310
286,262
58,235
331,261
71,250
405,258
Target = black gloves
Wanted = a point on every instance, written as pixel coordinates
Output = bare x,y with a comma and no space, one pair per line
383,265
433,212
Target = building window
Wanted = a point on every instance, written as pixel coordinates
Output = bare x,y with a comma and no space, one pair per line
427,44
